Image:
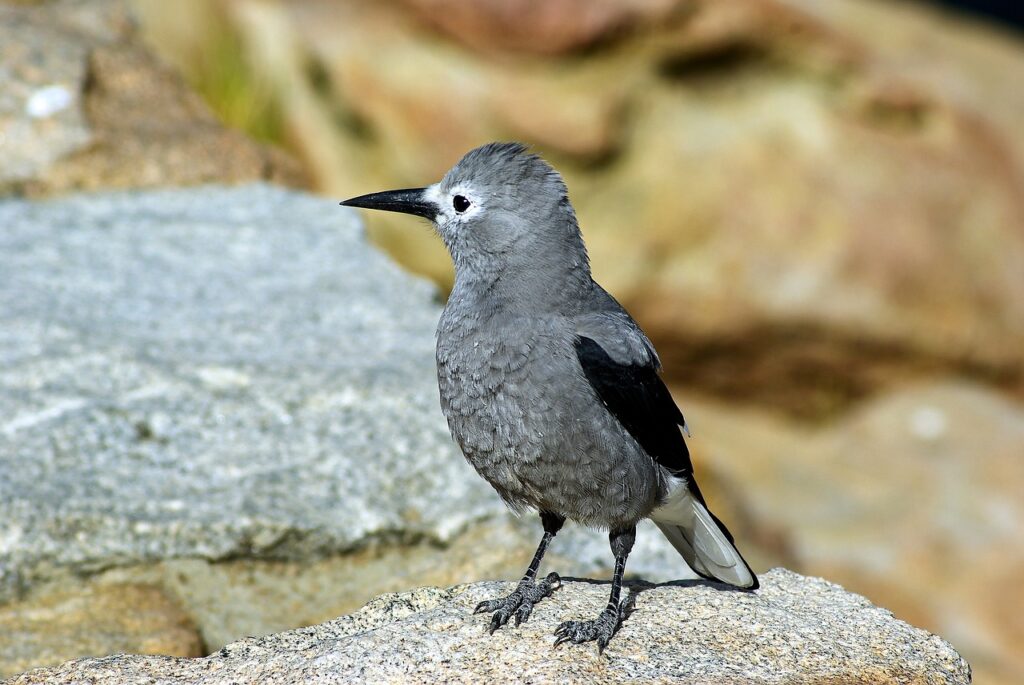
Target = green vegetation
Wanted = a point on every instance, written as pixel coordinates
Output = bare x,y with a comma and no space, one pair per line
239,96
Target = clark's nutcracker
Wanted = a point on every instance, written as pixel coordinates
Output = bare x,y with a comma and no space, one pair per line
549,387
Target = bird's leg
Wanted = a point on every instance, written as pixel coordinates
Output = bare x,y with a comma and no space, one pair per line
608,621
527,593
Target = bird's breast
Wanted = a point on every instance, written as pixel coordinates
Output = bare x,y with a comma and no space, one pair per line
496,389
520,408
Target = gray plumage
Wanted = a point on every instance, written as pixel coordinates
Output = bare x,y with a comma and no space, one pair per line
549,387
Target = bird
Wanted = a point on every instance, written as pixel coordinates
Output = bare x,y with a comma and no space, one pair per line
550,388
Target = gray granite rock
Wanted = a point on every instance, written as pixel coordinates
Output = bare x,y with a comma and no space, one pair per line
793,630
213,373
221,374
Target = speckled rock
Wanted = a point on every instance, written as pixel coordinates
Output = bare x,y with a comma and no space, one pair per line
794,630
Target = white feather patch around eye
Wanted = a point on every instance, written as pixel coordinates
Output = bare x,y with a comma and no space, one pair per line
468,192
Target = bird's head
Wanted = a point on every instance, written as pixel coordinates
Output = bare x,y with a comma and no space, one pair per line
499,208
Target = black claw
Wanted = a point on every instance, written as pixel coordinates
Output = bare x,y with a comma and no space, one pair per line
601,629
518,604
523,612
563,633
496,623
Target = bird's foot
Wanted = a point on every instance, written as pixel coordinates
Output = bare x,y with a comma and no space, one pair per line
601,628
519,603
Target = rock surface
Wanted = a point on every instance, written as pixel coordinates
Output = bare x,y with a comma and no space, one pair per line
84,622
793,630
83,106
913,500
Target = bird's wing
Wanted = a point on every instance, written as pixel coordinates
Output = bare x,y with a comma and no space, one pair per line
622,368
620,364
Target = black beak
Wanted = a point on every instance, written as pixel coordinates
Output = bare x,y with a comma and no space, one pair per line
407,201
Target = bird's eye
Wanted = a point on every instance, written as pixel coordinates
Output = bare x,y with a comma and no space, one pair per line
460,203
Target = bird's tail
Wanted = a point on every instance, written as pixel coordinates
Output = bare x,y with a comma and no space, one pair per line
703,540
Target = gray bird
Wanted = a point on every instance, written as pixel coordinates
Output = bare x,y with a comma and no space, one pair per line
549,387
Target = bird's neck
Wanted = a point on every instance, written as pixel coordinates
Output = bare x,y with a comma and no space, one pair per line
544,285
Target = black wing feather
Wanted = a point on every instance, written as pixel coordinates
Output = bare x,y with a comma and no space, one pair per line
637,397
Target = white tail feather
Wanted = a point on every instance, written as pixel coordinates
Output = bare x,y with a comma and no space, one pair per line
692,530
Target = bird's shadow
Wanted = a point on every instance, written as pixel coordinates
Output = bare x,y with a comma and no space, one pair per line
637,586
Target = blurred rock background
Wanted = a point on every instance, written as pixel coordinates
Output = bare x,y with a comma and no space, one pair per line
815,209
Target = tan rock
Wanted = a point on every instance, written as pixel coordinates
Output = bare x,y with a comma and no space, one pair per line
743,168
546,28
96,621
914,501
565,116
86,107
